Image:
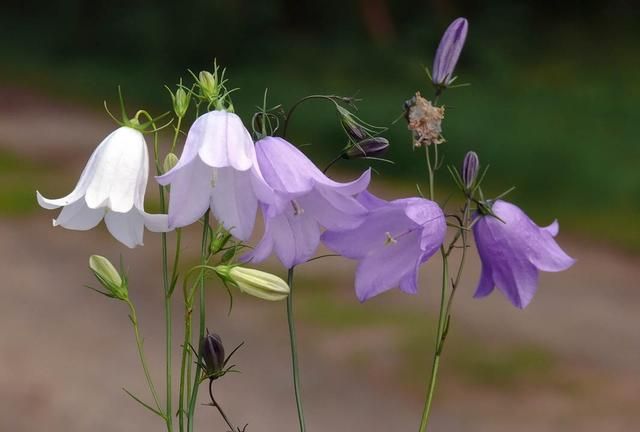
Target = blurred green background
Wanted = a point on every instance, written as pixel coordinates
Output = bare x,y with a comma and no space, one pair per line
550,108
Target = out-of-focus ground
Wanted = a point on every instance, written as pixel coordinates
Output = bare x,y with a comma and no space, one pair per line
569,362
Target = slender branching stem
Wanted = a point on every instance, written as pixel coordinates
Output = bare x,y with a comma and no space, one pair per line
167,296
219,408
333,162
139,344
287,117
294,351
197,379
430,170
188,310
440,330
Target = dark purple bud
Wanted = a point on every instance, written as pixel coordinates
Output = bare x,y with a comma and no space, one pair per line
449,51
370,147
470,167
212,353
355,132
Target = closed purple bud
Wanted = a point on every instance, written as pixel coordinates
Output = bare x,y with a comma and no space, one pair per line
354,131
449,51
369,147
212,354
470,167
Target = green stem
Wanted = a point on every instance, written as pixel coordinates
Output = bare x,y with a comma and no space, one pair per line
431,173
333,161
175,135
139,344
438,346
168,332
197,379
289,113
167,304
294,351
188,310
463,233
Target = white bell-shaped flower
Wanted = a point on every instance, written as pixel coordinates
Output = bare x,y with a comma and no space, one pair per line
112,185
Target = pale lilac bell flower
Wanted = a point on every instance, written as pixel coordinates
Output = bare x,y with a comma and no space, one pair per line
513,249
394,239
217,170
307,202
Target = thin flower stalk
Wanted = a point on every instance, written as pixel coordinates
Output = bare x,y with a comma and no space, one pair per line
167,295
133,317
204,254
294,352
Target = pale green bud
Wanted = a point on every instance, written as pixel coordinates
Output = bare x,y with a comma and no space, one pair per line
208,85
181,102
255,282
108,277
170,161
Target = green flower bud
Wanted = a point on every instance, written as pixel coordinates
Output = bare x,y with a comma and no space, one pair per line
108,277
208,85
170,161
219,240
181,102
212,354
255,282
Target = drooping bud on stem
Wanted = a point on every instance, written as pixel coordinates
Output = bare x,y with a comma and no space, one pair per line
448,52
470,166
212,354
109,277
369,147
355,132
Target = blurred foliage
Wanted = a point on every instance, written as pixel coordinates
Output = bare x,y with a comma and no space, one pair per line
551,106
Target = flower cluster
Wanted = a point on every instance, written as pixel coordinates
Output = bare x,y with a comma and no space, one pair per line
225,171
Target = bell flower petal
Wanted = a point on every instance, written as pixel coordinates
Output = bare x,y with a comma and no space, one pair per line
113,181
218,170
112,185
78,216
307,200
513,249
391,243
234,202
126,227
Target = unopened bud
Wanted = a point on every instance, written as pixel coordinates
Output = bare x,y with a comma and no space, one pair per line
470,167
212,354
181,102
108,277
219,240
170,161
355,132
255,282
208,85
449,51
370,147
